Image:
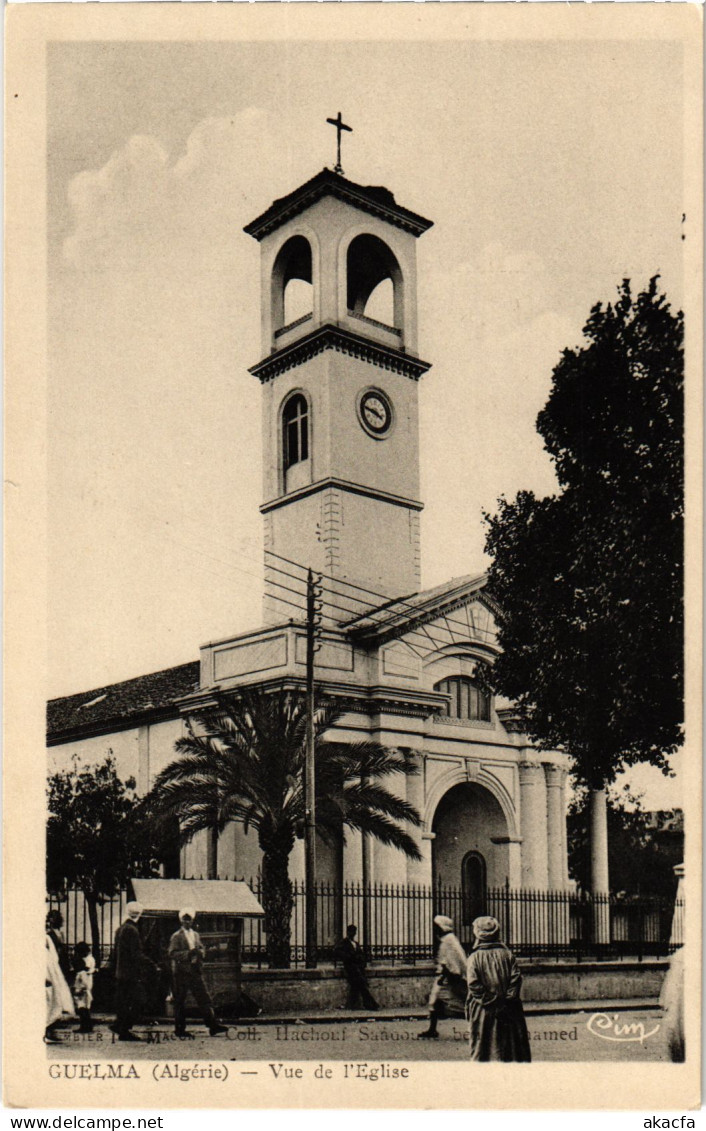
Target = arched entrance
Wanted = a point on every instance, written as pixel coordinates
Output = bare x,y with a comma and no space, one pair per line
469,853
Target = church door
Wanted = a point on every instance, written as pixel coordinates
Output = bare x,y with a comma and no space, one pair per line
473,886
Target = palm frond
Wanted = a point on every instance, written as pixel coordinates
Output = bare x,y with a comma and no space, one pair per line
244,761
368,795
368,759
384,830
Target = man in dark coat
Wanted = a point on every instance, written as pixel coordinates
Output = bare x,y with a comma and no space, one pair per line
353,960
131,967
498,1030
186,955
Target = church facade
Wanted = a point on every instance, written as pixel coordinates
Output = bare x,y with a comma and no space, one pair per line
341,498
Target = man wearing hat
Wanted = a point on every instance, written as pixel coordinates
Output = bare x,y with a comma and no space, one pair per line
186,955
131,967
498,1030
448,993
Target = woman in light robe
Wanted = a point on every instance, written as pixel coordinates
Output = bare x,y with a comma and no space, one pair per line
59,999
497,1022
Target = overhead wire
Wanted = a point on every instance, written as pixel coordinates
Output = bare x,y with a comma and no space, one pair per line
364,589
346,611
422,635
329,604
337,581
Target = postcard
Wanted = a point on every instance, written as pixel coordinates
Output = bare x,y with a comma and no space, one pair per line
353,432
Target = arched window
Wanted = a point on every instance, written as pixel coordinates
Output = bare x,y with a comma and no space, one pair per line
473,886
295,431
468,701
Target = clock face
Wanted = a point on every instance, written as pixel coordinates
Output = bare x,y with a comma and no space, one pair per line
375,412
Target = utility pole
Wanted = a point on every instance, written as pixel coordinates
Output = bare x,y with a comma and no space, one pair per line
313,631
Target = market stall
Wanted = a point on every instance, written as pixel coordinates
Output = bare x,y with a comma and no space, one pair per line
221,906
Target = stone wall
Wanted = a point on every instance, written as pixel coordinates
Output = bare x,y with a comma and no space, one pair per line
284,991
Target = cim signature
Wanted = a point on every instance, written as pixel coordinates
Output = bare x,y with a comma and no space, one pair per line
609,1028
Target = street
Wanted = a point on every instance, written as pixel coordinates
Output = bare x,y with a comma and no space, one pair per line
580,1036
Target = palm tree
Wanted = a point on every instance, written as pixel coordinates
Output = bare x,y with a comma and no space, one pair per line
245,762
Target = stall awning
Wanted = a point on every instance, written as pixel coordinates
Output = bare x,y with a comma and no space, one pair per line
207,897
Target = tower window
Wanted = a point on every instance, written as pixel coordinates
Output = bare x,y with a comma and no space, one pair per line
295,431
468,701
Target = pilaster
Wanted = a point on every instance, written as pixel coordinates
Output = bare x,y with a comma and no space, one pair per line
418,871
533,818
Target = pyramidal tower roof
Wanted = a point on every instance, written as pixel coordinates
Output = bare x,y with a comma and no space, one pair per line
368,198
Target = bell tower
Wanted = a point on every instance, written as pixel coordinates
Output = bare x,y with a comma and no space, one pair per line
340,386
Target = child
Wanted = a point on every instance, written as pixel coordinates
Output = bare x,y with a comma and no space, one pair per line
83,986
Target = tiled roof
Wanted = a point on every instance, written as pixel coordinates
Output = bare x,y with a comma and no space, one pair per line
418,606
120,704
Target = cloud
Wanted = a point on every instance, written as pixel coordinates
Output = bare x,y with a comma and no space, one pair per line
140,203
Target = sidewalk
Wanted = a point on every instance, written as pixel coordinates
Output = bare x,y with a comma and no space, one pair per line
419,1012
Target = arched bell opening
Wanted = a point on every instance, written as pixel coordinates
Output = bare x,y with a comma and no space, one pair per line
381,303
469,853
374,283
292,285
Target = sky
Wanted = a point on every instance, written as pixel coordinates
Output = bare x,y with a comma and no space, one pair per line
551,170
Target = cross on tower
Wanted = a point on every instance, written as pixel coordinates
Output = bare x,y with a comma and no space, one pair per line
340,126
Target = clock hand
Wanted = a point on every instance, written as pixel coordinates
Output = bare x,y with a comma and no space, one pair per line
373,412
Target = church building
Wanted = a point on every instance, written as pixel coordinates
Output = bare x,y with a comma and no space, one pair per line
340,388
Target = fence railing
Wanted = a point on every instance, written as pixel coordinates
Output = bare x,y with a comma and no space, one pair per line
395,921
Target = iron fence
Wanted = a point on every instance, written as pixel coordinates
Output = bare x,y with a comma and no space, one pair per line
395,921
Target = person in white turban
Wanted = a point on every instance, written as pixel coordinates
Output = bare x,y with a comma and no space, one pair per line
186,955
448,992
497,1028
132,968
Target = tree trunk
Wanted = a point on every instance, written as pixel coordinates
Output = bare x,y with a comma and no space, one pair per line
277,899
92,905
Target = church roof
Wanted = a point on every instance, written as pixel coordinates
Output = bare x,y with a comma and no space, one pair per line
369,198
153,697
120,704
394,617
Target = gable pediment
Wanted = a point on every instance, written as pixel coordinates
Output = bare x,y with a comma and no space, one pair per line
451,618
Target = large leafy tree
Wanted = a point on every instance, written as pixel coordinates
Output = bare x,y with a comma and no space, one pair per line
641,859
97,836
244,761
590,579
